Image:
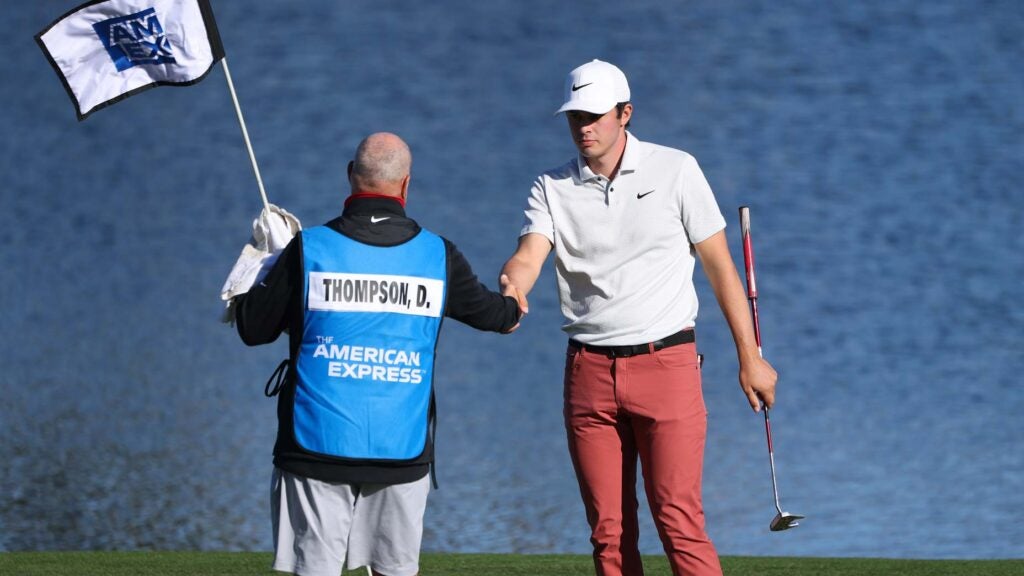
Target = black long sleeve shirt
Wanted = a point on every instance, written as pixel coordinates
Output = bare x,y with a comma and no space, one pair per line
276,304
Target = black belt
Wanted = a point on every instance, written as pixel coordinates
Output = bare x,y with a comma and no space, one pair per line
682,337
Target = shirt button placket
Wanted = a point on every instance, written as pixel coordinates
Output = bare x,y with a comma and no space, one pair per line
608,189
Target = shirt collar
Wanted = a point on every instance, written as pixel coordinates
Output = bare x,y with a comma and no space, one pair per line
630,160
373,203
362,194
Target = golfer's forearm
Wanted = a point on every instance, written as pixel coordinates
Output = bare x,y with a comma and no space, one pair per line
733,302
521,274
524,266
732,298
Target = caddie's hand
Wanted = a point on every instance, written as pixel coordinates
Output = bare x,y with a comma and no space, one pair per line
757,379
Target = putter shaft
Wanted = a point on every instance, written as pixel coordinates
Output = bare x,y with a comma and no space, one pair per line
782,520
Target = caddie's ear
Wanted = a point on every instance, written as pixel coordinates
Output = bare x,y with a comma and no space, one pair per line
405,187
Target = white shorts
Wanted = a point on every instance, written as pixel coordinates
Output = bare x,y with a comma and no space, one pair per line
318,524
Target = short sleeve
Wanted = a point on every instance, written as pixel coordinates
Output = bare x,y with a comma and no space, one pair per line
701,215
537,216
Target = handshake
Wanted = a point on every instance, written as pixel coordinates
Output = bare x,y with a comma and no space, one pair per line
510,289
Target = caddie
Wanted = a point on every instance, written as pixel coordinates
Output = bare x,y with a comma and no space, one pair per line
362,299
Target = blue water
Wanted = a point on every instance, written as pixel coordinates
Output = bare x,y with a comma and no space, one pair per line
879,144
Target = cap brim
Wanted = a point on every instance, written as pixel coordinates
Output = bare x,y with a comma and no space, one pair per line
591,107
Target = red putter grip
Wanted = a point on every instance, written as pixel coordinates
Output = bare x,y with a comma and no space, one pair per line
748,251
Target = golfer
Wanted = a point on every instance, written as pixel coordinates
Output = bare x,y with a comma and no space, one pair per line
362,298
627,220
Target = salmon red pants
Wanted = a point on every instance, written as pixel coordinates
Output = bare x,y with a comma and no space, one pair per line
651,406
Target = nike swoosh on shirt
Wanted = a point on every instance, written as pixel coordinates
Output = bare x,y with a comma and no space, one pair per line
639,196
374,219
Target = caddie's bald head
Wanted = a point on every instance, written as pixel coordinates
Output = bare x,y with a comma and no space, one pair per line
381,165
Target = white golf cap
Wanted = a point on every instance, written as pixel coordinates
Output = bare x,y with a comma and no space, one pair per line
595,87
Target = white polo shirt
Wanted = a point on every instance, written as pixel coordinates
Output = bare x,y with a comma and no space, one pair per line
624,252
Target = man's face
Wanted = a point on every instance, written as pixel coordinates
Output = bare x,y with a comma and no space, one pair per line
597,134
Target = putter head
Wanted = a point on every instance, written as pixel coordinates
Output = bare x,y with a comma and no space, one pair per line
785,521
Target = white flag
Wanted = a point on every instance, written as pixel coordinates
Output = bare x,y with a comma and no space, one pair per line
107,50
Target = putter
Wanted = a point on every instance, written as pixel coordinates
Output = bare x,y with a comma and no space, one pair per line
782,520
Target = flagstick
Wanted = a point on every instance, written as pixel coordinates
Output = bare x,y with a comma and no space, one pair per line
245,133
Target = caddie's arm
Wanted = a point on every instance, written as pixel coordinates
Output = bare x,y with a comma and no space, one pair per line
265,310
523,268
757,377
472,303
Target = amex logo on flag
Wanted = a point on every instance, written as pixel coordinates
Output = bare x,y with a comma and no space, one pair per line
107,50
135,39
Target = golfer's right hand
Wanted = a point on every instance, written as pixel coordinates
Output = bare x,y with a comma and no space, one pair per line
510,289
757,379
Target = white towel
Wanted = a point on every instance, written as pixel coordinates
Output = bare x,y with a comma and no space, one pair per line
271,232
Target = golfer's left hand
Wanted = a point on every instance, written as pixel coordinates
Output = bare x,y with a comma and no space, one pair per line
757,379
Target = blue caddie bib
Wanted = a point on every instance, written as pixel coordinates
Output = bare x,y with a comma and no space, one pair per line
366,363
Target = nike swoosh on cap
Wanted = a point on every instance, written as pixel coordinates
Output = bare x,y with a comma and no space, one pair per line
575,87
374,219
